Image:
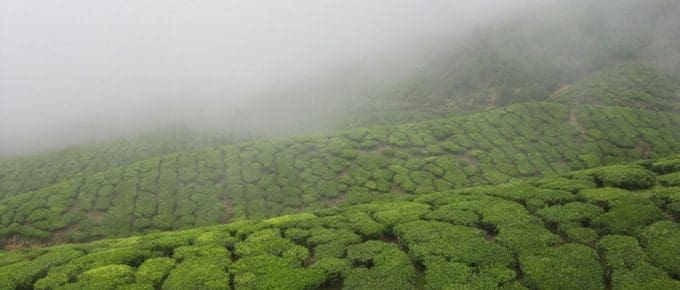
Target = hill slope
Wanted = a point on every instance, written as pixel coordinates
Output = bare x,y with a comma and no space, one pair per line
630,85
272,177
608,227
37,171
530,56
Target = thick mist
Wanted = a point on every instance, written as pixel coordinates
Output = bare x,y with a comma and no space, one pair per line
81,71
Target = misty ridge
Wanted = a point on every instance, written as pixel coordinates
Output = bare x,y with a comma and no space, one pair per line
84,73
319,144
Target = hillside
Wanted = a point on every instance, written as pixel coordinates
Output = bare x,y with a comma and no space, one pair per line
268,178
402,145
40,170
599,228
630,85
535,54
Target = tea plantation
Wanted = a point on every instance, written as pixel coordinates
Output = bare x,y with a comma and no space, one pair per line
599,228
41,170
267,178
631,85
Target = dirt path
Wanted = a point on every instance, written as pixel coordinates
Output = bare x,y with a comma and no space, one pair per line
573,120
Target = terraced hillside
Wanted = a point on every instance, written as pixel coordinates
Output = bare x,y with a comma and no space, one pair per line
630,85
268,178
38,171
613,227
22,174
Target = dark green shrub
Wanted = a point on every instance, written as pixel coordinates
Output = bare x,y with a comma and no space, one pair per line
667,165
668,199
561,183
661,241
645,276
671,179
628,177
619,176
629,265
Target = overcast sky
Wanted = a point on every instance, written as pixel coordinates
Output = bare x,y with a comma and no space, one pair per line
70,65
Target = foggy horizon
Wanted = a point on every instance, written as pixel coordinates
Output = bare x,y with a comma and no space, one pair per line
81,72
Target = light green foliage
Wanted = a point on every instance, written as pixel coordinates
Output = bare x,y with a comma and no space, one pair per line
333,268
630,267
670,179
270,242
443,274
454,243
666,165
109,277
124,255
270,272
571,212
379,265
153,271
455,216
605,196
401,213
197,273
579,234
627,219
331,242
22,274
619,176
570,266
206,253
622,252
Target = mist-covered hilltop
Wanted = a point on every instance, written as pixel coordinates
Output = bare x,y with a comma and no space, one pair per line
487,54
389,144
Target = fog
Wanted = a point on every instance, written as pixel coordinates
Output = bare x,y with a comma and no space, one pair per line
77,72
